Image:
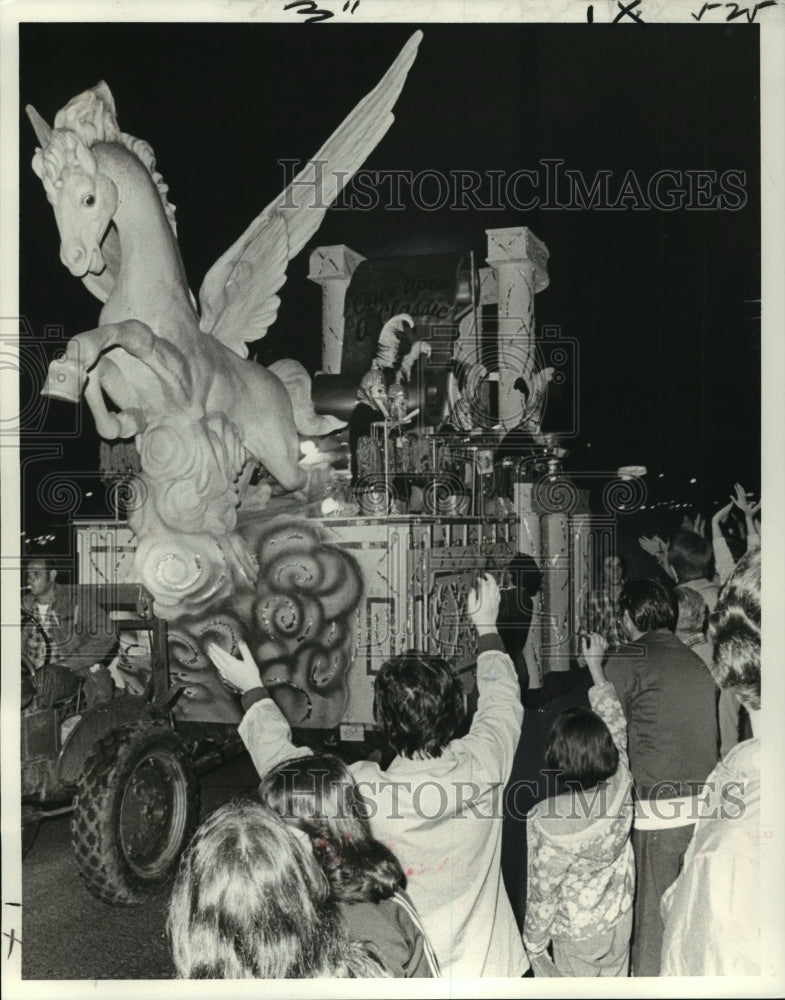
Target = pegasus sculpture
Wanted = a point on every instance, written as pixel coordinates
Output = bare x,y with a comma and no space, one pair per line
178,375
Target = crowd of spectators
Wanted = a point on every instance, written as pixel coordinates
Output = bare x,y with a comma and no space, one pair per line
603,822
581,827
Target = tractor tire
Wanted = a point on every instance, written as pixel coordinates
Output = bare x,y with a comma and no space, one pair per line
134,813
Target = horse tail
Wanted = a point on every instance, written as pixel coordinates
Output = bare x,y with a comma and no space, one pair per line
297,382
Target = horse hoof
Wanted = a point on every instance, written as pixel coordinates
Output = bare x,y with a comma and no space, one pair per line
65,380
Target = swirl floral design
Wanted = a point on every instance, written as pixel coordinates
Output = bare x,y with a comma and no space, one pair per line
296,619
192,466
189,573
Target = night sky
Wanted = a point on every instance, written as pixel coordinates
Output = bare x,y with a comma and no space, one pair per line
662,304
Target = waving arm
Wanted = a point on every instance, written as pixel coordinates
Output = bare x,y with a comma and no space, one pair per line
749,511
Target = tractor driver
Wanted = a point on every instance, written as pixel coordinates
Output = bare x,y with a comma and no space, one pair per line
66,638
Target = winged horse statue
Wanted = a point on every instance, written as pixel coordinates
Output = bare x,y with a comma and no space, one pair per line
178,376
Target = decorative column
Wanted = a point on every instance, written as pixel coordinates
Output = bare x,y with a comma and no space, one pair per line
520,261
470,327
489,285
332,268
580,583
556,635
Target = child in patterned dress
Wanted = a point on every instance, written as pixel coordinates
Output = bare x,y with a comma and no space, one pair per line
581,869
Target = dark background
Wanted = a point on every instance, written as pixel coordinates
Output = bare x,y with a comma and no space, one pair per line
664,305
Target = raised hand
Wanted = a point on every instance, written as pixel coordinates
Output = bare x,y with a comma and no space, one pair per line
654,547
741,501
593,649
721,515
243,674
482,604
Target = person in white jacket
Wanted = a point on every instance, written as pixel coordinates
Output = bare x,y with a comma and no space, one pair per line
438,804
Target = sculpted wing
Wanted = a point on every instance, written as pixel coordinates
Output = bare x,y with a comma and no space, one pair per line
238,296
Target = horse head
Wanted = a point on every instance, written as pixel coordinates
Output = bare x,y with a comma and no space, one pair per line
83,198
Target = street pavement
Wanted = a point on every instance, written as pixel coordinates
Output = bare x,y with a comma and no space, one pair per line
69,934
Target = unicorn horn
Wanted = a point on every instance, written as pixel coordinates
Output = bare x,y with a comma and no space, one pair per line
42,130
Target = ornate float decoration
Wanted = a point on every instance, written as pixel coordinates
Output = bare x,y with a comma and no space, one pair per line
203,416
430,362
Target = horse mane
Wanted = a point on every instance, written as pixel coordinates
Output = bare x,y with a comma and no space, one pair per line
145,153
91,117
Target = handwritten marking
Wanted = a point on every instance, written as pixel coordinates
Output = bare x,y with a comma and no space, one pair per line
704,8
309,10
628,10
735,10
313,14
12,938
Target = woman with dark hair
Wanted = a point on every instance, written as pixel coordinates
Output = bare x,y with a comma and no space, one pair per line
319,796
250,902
581,869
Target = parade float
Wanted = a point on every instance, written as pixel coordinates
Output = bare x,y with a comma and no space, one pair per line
328,520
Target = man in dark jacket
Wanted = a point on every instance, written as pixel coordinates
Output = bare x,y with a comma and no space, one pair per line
669,700
66,637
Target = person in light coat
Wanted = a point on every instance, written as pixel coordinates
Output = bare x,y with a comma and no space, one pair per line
438,804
